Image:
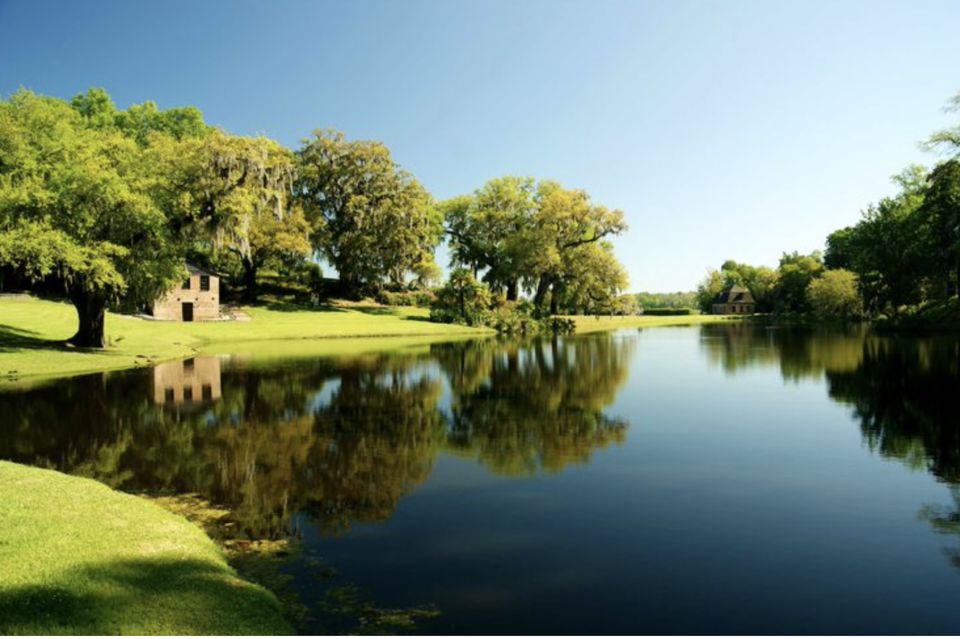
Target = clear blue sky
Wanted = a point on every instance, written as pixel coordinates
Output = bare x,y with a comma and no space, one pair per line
723,129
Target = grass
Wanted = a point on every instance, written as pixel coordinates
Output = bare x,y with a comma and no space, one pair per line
32,333
593,323
79,558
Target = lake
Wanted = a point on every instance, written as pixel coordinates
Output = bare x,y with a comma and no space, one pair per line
720,479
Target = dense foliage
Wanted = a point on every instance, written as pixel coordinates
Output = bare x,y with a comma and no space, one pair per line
374,221
105,206
539,237
91,200
679,299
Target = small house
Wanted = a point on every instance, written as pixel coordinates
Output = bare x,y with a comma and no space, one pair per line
196,299
736,300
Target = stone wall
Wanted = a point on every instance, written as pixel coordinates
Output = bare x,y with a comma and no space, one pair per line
206,304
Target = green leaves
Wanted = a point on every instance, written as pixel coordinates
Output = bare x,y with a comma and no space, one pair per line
374,221
947,140
94,206
39,251
519,231
835,294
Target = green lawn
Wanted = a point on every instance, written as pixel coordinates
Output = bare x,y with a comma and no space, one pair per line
79,558
32,331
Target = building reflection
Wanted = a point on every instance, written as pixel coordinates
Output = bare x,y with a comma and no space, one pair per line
189,382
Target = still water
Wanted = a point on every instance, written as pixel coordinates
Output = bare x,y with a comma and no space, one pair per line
714,479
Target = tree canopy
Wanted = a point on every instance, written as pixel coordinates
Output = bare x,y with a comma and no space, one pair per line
536,236
372,220
81,205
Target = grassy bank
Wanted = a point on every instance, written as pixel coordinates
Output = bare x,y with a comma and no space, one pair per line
32,332
79,558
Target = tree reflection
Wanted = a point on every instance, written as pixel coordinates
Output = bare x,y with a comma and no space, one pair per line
342,440
541,403
376,439
798,352
902,391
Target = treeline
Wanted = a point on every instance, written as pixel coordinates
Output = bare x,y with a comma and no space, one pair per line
799,284
105,205
901,258
657,301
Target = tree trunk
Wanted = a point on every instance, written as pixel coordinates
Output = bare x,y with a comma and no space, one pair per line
554,296
249,280
91,309
542,287
512,291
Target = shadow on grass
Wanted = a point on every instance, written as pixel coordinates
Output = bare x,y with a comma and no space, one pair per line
376,310
288,306
157,596
13,338
417,318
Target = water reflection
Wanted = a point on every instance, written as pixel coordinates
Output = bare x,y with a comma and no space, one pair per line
536,406
780,499
192,381
902,390
798,353
341,440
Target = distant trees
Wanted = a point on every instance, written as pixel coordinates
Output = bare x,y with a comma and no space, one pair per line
889,248
667,300
780,290
796,272
906,248
761,281
904,251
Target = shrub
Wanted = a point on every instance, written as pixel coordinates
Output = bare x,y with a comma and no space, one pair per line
835,294
462,300
420,298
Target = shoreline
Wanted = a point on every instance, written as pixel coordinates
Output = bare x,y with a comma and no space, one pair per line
32,330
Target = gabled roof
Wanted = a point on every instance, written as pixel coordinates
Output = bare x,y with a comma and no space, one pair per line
736,294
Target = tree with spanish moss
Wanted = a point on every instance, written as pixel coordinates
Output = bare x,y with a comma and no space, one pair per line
373,220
